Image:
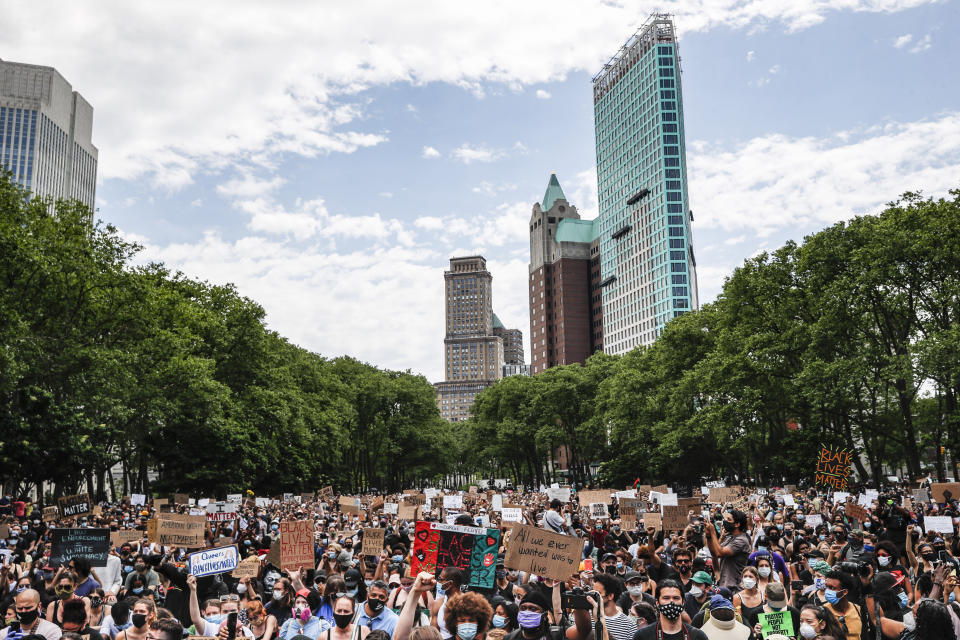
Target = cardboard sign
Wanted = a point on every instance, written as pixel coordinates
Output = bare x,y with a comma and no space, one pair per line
628,507
391,508
776,622
326,492
452,502
117,538
222,511
675,518
181,498
542,552
668,498
721,495
833,467
415,498
159,503
373,541
73,506
273,556
512,515
213,561
558,493
945,491
176,530
349,505
296,544
92,544
473,550
856,511
652,519
598,511
688,503
408,512
594,495
249,567
943,524
49,514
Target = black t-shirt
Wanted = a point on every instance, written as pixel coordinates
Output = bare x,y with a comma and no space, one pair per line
650,633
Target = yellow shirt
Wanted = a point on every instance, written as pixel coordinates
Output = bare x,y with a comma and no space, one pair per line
851,620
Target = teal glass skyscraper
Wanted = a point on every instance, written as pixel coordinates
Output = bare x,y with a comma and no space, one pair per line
647,266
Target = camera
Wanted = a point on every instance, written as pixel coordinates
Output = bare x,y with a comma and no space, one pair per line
856,568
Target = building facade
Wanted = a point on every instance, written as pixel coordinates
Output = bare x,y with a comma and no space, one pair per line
473,354
647,271
512,342
565,325
46,133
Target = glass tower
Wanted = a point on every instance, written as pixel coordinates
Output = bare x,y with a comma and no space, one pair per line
647,267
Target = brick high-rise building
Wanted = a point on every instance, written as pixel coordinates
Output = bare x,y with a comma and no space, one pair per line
473,354
45,133
565,321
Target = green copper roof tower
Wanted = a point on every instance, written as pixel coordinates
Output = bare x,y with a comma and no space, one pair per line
647,267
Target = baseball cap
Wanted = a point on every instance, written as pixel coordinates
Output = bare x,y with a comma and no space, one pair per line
719,602
702,577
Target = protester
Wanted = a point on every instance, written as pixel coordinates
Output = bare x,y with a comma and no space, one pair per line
302,622
345,626
669,625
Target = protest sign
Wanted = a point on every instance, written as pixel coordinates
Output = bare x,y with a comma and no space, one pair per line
594,495
776,622
137,499
943,524
671,499
715,484
273,556
920,495
262,502
349,505
452,502
675,518
628,507
945,491
72,506
176,530
160,503
181,498
598,510
306,497
296,544
222,511
559,493
541,552
813,520
497,502
408,512
651,519
249,567
213,561
473,550
789,501
856,511
721,495
687,503
49,514
833,467
415,498
235,497
512,515
391,508
326,492
373,541
629,493
92,544
117,538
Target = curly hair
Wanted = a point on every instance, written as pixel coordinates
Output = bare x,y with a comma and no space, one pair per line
933,621
831,624
470,605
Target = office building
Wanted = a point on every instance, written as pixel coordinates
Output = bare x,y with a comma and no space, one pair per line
647,266
512,342
566,326
46,133
473,354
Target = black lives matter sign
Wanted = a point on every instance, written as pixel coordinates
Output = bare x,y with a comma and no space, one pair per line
72,506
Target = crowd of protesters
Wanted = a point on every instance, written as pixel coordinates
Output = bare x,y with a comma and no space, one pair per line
834,576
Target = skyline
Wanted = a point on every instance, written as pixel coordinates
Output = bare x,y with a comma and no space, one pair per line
330,196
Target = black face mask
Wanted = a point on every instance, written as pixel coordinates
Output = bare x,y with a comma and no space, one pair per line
139,619
728,526
342,619
610,569
375,605
27,617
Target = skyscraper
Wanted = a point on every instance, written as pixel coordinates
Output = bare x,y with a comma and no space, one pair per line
473,355
647,266
565,325
45,133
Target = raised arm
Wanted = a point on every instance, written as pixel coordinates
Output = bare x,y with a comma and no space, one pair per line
422,584
195,615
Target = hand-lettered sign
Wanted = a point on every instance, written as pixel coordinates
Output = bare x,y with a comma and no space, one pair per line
213,561
833,467
473,550
542,552
373,541
296,544
92,544
78,505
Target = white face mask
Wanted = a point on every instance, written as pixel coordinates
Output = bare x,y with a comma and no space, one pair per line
807,631
696,592
749,583
635,591
883,561
764,572
241,588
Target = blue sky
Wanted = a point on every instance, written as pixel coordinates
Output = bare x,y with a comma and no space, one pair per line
329,158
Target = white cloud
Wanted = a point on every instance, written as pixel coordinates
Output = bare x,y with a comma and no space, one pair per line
735,240
751,55
903,41
249,186
774,70
128,202
543,95
491,189
775,181
386,194
430,152
922,45
197,202
245,82
430,223
467,153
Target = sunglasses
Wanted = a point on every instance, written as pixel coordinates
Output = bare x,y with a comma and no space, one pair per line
230,597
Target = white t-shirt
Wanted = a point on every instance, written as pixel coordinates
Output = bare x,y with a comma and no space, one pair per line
211,630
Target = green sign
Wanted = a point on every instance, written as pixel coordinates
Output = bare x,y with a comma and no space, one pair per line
776,622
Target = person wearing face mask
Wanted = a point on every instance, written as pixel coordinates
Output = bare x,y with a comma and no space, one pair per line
75,620
733,551
99,609
815,593
143,613
142,568
887,558
374,612
765,573
451,579
748,602
345,626
669,625
28,619
700,587
332,589
817,622
399,596
302,622
849,615
65,585
721,624
635,591
504,616
213,618
775,600
281,600
470,614
890,604
504,586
